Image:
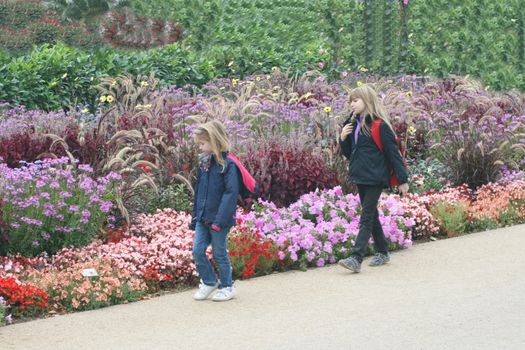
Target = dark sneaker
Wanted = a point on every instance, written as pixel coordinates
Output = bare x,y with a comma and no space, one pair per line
379,259
350,263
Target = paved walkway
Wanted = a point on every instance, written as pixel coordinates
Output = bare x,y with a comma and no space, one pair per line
462,293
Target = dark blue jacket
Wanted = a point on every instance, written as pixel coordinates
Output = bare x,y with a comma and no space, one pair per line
215,201
368,165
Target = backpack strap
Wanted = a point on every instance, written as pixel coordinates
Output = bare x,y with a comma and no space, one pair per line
247,179
376,133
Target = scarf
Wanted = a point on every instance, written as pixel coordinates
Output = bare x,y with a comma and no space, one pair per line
205,161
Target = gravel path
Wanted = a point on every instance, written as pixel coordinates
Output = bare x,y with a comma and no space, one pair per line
461,293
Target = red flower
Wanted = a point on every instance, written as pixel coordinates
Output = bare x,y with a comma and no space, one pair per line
22,298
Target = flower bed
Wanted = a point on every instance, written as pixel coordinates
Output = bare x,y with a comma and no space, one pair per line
321,226
46,205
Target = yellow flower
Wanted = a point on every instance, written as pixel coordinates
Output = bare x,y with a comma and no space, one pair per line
230,64
412,130
102,98
267,77
234,82
85,110
64,76
147,106
113,83
275,94
139,106
359,83
308,94
363,69
275,69
144,84
258,78
221,88
328,109
409,93
109,98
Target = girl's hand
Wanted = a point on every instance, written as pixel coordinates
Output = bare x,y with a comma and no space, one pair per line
347,130
403,189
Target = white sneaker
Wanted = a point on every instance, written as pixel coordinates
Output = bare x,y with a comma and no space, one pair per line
204,291
224,294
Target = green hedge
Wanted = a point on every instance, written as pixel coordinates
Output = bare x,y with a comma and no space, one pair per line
482,38
234,38
54,77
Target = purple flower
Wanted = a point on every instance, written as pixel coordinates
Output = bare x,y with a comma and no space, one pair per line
85,167
106,206
87,185
74,208
45,195
409,222
40,183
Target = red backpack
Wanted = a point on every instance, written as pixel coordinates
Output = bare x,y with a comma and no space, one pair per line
249,185
376,136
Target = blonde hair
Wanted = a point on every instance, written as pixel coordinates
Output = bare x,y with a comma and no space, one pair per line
215,133
373,105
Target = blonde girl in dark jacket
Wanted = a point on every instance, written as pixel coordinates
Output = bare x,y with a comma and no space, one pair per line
370,170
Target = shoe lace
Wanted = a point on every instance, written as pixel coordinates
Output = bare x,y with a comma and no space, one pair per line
379,256
203,286
221,293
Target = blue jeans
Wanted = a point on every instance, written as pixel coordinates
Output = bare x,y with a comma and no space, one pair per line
204,236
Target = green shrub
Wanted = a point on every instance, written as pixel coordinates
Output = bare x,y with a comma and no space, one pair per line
452,217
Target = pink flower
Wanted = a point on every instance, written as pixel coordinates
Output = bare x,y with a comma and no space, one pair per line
321,65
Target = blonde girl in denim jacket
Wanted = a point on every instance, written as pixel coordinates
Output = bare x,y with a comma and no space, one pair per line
214,208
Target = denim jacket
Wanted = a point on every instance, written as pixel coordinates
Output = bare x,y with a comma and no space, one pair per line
216,191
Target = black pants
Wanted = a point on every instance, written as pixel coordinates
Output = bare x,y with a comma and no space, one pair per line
369,223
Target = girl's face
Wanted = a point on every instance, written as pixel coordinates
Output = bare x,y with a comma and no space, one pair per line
357,105
204,146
